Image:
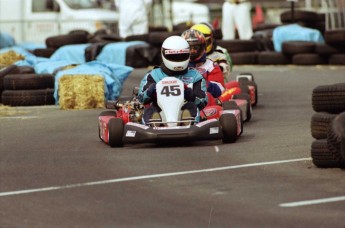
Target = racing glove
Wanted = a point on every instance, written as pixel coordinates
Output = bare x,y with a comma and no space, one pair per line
214,89
189,95
151,91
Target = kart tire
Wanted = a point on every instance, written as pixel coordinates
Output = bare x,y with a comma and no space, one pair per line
28,81
105,113
232,105
248,82
337,59
229,127
28,97
336,137
61,40
291,48
308,59
329,98
252,83
244,58
322,157
320,124
298,16
235,46
115,132
272,58
245,96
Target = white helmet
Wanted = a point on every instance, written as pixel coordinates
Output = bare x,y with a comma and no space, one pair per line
175,53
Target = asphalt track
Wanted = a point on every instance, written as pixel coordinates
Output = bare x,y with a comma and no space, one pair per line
55,172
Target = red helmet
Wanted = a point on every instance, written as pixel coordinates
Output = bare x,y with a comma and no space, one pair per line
197,43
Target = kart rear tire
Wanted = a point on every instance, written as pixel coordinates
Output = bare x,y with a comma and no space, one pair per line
105,113
246,97
115,131
229,128
231,105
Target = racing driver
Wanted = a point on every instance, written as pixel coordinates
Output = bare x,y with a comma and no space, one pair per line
175,53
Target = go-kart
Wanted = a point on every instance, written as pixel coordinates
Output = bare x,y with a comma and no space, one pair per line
124,125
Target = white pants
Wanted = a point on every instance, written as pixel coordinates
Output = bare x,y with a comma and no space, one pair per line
133,17
237,16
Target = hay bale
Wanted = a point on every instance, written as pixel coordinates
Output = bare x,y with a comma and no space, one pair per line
10,57
81,92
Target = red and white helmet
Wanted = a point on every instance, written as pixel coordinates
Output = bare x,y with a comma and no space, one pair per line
175,53
197,43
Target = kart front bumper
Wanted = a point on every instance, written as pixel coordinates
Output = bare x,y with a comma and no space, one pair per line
137,133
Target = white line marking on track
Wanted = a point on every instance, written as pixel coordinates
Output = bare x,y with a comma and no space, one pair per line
125,179
312,202
216,148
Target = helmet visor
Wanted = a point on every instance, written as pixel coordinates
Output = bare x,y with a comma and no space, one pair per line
176,55
196,50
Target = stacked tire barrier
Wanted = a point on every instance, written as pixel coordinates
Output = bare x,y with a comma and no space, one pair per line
20,86
328,126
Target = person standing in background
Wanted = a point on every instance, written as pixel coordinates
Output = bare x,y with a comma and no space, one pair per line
236,15
133,17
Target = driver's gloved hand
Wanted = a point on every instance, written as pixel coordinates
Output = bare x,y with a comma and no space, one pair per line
151,91
189,95
214,89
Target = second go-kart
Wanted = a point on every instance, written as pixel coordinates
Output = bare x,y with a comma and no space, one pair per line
124,125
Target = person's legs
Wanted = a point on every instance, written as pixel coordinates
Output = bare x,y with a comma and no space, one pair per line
139,26
243,21
190,112
228,23
150,114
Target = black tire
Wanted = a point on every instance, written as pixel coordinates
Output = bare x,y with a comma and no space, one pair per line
245,82
234,46
232,105
157,38
322,156
3,72
105,113
229,127
308,59
336,36
243,58
337,59
336,136
229,105
297,47
251,83
28,81
320,124
299,16
329,98
28,97
116,128
326,49
58,41
143,37
249,106
272,58
44,52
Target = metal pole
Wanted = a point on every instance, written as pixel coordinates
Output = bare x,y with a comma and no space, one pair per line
293,11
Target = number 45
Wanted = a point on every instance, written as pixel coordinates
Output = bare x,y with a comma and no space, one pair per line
172,90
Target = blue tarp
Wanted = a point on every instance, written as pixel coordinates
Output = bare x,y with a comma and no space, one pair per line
294,32
114,76
73,52
6,40
116,52
50,66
